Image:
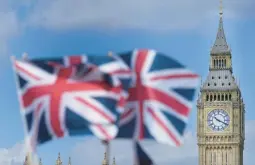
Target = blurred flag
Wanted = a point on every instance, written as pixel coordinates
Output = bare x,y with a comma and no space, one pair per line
75,95
141,158
160,98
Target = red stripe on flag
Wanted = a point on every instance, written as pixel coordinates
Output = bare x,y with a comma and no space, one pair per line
153,94
139,64
121,72
140,60
100,112
174,76
126,113
122,101
104,132
75,60
35,92
20,68
163,126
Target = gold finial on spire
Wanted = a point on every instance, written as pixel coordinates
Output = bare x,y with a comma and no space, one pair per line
59,162
105,160
221,8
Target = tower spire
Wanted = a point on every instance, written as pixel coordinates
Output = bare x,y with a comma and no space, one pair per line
59,162
221,8
40,161
220,45
114,163
105,160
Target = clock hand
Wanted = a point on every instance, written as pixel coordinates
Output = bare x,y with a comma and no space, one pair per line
217,119
225,123
220,121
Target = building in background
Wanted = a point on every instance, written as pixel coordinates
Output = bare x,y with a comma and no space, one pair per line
59,161
220,109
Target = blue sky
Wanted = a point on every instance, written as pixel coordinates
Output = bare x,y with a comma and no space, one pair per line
186,40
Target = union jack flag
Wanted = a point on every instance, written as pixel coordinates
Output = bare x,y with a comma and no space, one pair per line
74,95
160,98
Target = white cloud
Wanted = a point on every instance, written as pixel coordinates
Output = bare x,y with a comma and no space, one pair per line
92,151
125,14
12,156
9,25
142,14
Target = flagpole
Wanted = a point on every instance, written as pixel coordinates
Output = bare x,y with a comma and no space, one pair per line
28,140
107,142
26,137
108,151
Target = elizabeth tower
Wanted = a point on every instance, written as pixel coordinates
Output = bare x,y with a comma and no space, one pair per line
220,109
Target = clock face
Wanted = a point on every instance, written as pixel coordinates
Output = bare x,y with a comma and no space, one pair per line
218,120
